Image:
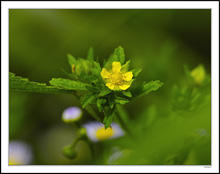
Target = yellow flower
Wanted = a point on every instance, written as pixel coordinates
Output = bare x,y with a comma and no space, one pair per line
117,78
198,74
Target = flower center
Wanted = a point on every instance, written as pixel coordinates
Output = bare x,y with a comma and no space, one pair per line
104,134
117,78
13,162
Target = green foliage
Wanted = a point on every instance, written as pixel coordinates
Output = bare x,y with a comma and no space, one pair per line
88,98
126,66
192,96
90,55
120,55
18,83
170,131
127,93
100,103
145,88
72,76
187,73
68,84
109,114
136,71
86,75
101,95
69,152
117,56
121,100
71,60
105,90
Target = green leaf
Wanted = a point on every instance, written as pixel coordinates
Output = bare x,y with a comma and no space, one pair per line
146,88
87,78
125,67
119,52
68,74
90,55
111,101
121,100
127,93
105,90
136,72
108,63
100,103
92,88
104,62
88,98
97,73
71,60
97,65
109,114
68,84
18,83
100,107
117,56
102,100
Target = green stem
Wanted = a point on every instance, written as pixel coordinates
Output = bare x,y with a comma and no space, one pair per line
91,111
75,142
123,118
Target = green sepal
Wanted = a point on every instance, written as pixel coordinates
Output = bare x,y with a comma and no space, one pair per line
136,72
100,103
127,93
125,67
105,91
121,100
72,60
109,114
119,52
90,55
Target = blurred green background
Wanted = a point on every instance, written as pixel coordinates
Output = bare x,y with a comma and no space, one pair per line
158,41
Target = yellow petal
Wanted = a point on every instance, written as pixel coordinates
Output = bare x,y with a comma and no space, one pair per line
124,87
104,134
127,76
110,86
116,67
105,73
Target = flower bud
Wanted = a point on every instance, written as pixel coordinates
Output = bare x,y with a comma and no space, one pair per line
71,114
69,152
198,74
82,132
82,66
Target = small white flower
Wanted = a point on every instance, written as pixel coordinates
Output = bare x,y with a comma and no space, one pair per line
96,131
19,153
71,114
